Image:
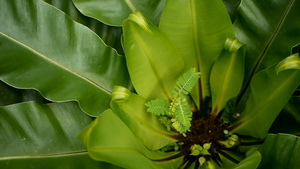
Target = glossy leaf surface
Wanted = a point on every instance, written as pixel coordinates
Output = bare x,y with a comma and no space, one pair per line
113,12
71,161
259,24
280,151
144,125
153,62
31,129
109,139
110,35
199,29
269,93
44,49
43,136
227,74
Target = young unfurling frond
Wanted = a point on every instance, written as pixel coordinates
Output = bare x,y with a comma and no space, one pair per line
183,115
158,107
178,110
186,82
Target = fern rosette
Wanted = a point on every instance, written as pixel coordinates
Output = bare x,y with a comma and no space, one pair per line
194,108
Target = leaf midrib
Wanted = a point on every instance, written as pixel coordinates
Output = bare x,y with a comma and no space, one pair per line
266,49
43,156
130,5
56,63
154,69
226,80
258,109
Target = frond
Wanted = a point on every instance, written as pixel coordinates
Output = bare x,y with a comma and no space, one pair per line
158,107
183,115
187,81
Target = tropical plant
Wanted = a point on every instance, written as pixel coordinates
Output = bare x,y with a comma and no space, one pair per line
197,88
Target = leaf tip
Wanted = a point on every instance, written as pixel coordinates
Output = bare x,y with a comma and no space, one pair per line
138,18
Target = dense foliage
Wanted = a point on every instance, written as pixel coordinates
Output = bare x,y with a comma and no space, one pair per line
149,84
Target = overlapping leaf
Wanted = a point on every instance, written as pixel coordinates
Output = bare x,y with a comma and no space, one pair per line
42,48
227,75
269,30
144,125
113,12
43,136
122,149
10,95
265,103
199,29
110,35
153,62
280,151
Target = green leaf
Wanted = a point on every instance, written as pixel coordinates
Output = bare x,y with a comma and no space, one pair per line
32,129
109,34
183,115
60,58
227,74
252,161
122,149
280,151
145,126
186,82
291,62
154,63
158,107
268,94
269,30
43,136
199,29
232,7
288,120
77,160
113,12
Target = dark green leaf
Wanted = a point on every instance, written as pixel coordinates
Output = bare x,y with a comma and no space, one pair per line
110,35
35,136
31,129
79,160
280,151
42,48
269,29
268,94
113,12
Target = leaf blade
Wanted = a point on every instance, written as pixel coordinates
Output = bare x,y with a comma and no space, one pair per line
113,12
150,69
59,51
269,93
